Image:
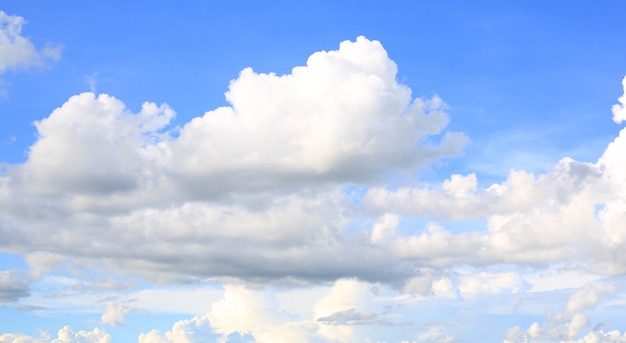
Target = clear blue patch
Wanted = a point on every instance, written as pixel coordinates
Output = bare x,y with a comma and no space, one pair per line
597,208
355,193
12,261
464,226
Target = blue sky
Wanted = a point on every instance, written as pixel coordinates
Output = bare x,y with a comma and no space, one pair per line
312,172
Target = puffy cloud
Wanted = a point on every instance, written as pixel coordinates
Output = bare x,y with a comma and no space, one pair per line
19,338
567,325
573,212
94,145
342,117
17,51
113,314
65,335
599,336
488,283
619,110
588,296
197,329
436,335
235,188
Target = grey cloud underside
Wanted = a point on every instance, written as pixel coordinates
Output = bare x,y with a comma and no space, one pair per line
13,286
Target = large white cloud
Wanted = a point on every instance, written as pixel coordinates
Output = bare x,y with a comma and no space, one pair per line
342,117
251,190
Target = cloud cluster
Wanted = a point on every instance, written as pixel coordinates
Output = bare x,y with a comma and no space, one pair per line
255,190
258,192
566,325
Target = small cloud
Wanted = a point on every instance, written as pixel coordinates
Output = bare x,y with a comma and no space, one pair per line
114,314
11,138
350,317
91,80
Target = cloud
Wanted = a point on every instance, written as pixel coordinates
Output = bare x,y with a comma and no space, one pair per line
435,335
114,314
197,329
102,142
350,317
19,338
13,286
571,213
234,188
17,51
488,283
341,118
619,110
568,324
65,335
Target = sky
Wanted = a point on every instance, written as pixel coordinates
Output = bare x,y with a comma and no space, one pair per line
312,171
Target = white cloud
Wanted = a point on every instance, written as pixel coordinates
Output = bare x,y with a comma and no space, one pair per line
436,335
104,184
101,140
567,325
65,335
113,314
17,51
588,296
195,330
619,110
19,338
342,117
488,283
253,193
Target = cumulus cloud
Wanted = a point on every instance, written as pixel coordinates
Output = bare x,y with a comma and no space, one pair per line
342,117
567,325
94,145
348,310
197,329
113,314
65,335
619,110
254,190
17,51
19,338
234,188
572,212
